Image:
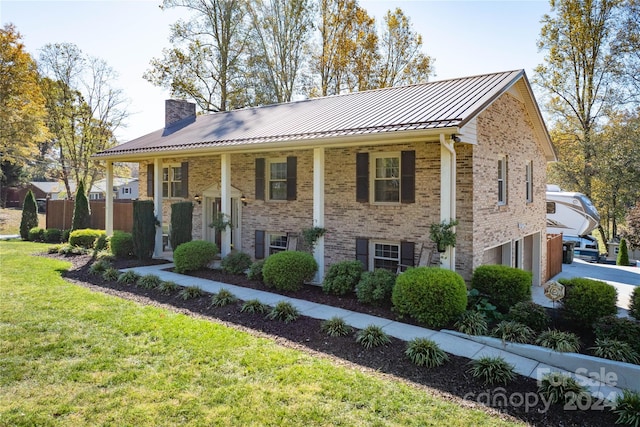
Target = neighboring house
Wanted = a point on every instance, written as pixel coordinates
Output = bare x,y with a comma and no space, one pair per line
51,190
123,188
374,168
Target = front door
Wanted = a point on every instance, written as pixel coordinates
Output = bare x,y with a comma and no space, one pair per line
213,207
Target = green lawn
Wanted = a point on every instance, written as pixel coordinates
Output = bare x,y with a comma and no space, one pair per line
69,356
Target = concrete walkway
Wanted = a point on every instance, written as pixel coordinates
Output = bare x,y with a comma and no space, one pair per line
534,364
9,236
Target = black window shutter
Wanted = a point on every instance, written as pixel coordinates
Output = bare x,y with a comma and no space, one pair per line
408,179
259,244
362,252
407,253
362,177
150,173
185,180
259,179
292,177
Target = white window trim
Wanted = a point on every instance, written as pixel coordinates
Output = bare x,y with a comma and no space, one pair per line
268,245
529,181
372,176
503,183
372,251
268,179
126,190
169,167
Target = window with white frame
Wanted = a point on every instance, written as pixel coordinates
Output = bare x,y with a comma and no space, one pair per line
502,180
386,178
172,181
529,181
277,173
277,243
126,190
385,255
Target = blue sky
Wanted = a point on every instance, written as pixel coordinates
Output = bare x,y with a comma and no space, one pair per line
464,37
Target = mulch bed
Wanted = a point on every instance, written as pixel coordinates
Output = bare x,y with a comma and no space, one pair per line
519,399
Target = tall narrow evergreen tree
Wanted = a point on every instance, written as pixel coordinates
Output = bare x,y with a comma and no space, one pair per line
81,214
181,223
29,215
623,254
144,229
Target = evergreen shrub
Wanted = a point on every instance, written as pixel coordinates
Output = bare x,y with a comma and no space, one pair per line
121,244
194,255
288,270
81,215
29,217
375,287
531,314
85,238
236,263
623,253
430,295
342,277
618,328
36,234
53,235
503,285
144,229
586,300
634,305
181,227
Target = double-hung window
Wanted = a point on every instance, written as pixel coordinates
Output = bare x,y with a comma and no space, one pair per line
277,175
385,255
386,178
529,181
277,243
172,181
502,180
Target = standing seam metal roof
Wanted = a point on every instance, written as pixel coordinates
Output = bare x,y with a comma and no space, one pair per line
433,105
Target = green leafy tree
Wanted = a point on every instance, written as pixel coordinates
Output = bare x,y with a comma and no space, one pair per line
207,60
29,215
22,107
632,232
81,215
627,47
623,254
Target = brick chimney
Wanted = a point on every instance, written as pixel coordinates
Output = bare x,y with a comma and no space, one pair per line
176,110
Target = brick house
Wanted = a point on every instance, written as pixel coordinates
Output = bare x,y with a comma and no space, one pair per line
374,168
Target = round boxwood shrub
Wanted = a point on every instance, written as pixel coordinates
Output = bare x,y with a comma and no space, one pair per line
375,287
85,238
342,277
586,300
504,286
288,270
430,295
531,314
618,328
634,305
121,244
36,234
194,255
53,235
236,263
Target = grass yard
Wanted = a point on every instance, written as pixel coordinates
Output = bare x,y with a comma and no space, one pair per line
70,356
10,220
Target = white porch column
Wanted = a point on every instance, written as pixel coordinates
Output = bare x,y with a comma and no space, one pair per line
318,209
225,195
157,204
108,206
447,195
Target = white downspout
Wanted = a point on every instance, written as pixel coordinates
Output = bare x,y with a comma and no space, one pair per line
448,194
108,218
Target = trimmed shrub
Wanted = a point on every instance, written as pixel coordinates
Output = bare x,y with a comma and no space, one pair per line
53,235
236,263
65,236
634,306
121,244
284,311
85,238
255,270
559,388
372,336
620,329
472,323
587,300
492,370
29,217
531,314
342,277
36,234
144,229
615,350
503,285
623,253
425,352
100,243
510,330
194,255
561,341
628,408
375,287
181,226
430,295
336,327
103,255
288,270
81,215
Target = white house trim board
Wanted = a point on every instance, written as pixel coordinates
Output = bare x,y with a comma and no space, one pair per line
225,194
447,194
318,208
157,204
108,220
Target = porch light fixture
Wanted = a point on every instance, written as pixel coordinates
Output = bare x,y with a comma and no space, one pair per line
243,199
455,138
197,198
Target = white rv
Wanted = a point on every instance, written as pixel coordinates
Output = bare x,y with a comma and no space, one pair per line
571,214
